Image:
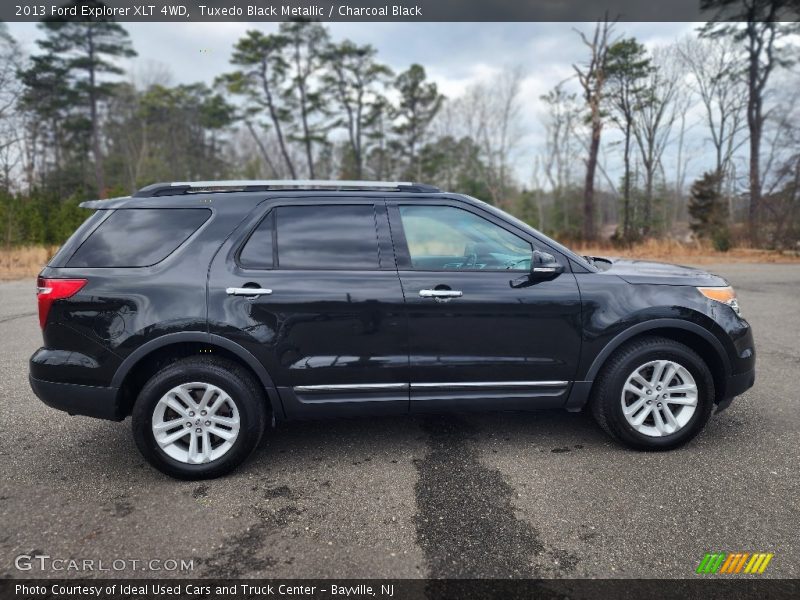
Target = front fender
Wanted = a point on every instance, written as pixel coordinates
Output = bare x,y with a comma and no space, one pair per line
614,311
653,325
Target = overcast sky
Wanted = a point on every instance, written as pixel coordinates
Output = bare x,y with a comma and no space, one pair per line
454,54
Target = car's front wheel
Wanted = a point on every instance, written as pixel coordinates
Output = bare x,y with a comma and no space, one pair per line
199,417
654,394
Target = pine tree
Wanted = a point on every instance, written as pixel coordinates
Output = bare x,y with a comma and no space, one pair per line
708,211
305,48
627,70
86,51
356,80
261,59
420,100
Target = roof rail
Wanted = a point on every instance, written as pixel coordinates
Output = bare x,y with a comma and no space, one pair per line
256,185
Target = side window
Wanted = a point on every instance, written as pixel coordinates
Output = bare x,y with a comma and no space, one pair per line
257,251
138,237
445,238
326,237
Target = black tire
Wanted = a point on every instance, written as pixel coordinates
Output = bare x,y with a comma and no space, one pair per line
606,403
238,383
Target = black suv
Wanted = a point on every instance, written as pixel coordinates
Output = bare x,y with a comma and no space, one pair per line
207,310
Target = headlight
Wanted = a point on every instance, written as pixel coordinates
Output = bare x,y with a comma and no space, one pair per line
726,295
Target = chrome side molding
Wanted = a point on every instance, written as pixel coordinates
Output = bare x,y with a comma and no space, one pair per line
460,385
468,385
356,387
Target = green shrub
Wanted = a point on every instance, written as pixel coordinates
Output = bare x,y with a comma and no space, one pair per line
721,239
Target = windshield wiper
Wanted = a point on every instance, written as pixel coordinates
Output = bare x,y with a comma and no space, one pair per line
589,259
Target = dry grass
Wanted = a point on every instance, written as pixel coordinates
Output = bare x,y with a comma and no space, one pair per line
25,261
673,251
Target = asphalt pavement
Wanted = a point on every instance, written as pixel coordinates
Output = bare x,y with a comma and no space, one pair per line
484,495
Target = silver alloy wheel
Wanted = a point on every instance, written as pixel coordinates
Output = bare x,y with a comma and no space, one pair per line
659,398
195,423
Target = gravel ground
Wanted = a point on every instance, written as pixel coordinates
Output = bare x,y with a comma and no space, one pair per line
499,495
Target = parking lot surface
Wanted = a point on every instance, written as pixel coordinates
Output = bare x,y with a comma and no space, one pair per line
482,495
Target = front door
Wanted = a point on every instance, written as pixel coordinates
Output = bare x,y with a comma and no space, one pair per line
481,334
313,293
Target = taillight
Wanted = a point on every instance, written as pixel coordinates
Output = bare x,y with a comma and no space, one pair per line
50,290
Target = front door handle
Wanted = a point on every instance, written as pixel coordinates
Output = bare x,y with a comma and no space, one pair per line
246,291
440,295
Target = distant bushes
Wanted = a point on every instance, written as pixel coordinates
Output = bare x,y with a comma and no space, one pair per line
38,219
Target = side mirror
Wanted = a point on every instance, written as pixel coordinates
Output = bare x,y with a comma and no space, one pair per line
544,265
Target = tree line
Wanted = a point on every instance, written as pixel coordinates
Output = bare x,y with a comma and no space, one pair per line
735,81
297,103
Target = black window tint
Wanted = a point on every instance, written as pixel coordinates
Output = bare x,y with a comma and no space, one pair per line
138,237
68,249
257,252
327,237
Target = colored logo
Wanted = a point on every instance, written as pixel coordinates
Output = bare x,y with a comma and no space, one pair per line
734,562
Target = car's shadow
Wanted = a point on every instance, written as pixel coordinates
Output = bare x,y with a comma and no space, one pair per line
108,448
109,451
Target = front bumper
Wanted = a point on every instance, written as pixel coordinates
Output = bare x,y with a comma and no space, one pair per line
736,385
88,400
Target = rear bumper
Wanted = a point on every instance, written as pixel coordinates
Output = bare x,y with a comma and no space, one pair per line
736,385
91,401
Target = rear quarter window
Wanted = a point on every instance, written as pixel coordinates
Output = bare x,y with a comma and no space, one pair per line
138,237
327,237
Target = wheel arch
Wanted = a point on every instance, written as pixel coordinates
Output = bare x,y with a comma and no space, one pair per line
141,364
696,337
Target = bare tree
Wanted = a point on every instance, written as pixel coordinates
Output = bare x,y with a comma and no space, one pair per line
652,126
10,123
592,77
722,91
489,114
10,90
781,169
136,137
683,105
560,122
758,29
501,135
538,193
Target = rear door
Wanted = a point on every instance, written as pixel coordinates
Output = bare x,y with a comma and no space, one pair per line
313,292
480,334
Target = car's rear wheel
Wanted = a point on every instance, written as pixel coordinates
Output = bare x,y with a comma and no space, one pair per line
199,417
654,394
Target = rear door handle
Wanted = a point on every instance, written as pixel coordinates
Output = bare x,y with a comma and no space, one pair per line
232,291
440,295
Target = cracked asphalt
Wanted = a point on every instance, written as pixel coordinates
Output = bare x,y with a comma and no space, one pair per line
479,495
